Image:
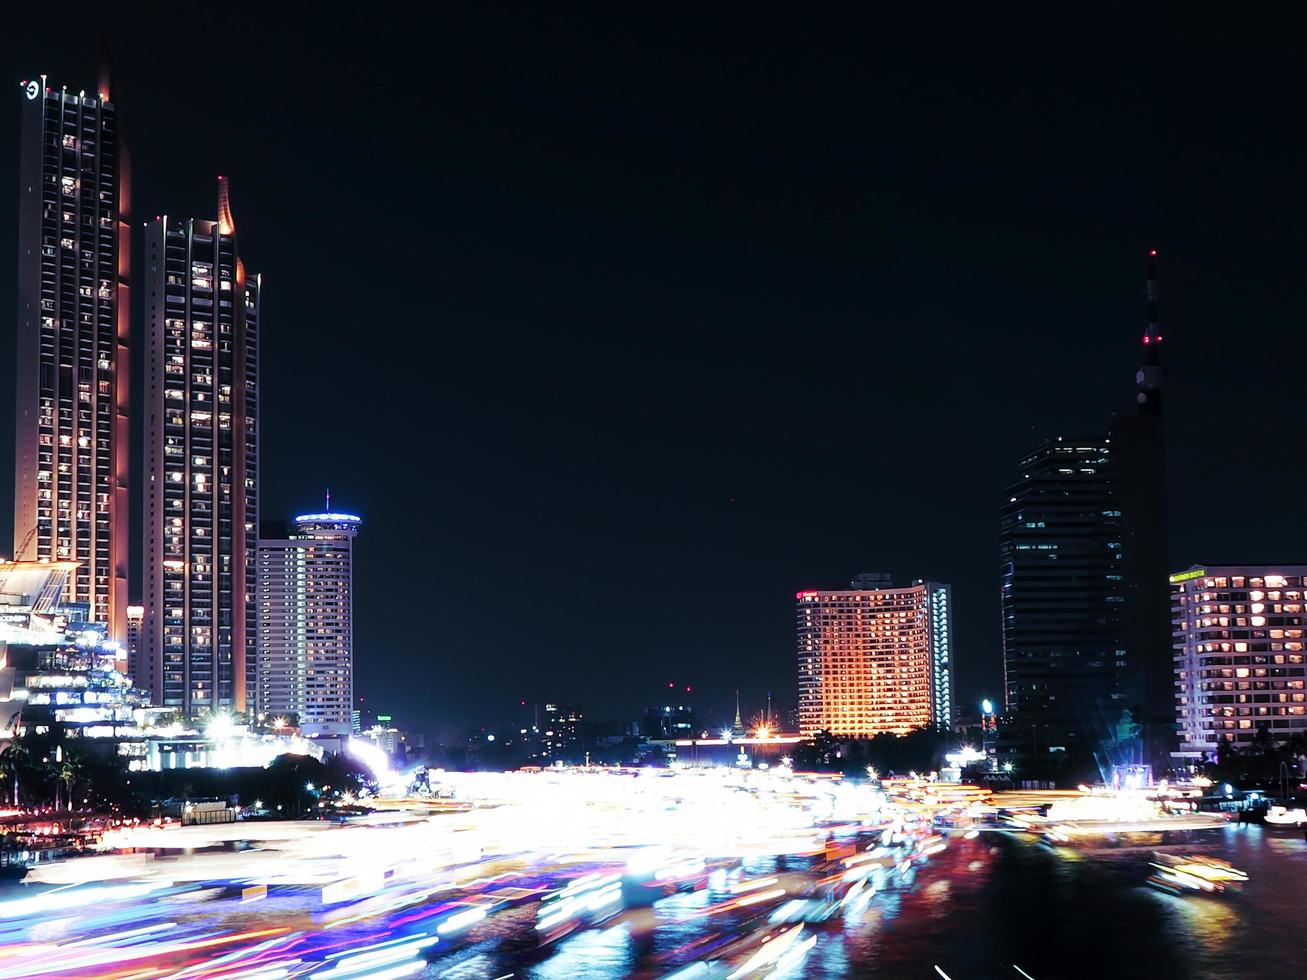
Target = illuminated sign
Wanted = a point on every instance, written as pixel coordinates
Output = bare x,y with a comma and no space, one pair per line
383,718
33,89
1193,573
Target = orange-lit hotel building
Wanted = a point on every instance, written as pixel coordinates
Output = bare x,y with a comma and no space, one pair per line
874,659
199,634
71,453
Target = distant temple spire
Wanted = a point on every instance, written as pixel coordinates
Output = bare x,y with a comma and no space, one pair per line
737,730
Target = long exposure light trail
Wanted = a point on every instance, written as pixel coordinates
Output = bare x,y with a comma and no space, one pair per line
385,895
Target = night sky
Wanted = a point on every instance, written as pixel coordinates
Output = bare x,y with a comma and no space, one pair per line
619,327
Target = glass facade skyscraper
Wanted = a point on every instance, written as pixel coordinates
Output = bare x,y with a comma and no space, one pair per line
1065,667
1086,615
199,635
72,394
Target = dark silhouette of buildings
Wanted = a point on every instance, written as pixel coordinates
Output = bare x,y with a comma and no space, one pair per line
1085,599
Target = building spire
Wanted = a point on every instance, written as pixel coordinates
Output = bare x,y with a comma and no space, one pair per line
738,728
1148,380
328,500
226,223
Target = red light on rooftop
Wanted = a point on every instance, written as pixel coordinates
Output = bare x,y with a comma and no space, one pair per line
805,595
1147,339
1152,252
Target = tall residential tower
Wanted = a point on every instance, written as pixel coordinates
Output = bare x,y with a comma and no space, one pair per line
199,635
306,624
71,452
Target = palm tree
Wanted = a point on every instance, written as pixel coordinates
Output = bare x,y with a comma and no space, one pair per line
65,772
13,760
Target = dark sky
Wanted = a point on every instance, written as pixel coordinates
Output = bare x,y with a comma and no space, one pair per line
619,327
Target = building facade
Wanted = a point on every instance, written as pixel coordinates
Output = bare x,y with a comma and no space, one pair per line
875,659
560,733
1065,667
72,392
1239,658
199,635
306,624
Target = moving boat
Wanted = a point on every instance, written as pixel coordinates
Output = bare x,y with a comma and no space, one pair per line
1180,874
1283,816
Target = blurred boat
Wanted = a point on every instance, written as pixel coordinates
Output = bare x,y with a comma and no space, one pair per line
1181,874
1283,816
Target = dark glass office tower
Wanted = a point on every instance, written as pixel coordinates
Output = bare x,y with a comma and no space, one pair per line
199,635
1064,592
71,451
1085,595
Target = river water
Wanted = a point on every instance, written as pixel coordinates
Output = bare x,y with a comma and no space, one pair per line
996,906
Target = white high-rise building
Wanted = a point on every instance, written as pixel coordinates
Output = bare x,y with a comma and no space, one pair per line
306,625
1239,634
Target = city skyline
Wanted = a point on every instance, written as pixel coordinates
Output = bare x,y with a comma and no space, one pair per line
622,449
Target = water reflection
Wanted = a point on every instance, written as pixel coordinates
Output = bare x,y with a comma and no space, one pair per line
991,907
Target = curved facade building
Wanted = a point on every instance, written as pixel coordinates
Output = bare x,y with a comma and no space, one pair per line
875,659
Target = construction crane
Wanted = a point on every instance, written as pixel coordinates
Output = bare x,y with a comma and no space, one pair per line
21,550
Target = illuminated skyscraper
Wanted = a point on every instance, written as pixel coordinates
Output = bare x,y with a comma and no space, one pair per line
71,452
1239,657
306,624
875,659
199,635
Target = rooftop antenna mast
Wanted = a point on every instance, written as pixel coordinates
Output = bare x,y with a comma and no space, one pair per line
1148,380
